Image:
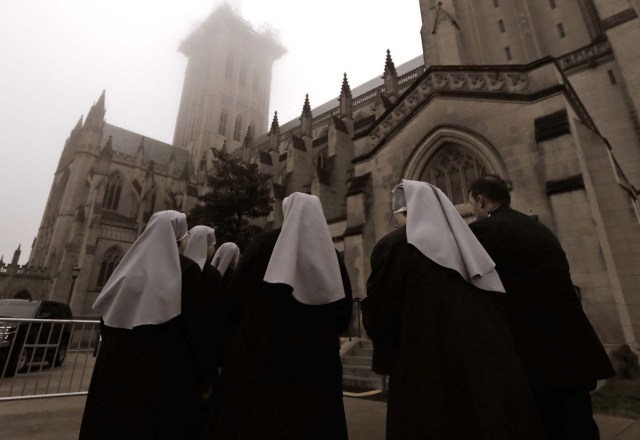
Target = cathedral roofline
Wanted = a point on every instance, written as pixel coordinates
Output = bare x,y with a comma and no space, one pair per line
128,143
406,71
498,82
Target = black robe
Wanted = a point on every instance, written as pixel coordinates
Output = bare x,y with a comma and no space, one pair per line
283,377
227,311
146,382
553,336
453,370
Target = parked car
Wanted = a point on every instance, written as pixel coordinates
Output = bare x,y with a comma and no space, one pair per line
21,343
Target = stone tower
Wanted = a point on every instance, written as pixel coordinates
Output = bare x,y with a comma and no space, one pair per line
57,245
227,83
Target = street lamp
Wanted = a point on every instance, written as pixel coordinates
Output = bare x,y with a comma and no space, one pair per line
74,274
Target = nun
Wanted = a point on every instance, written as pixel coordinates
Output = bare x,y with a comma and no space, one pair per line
154,362
225,261
283,376
201,248
430,311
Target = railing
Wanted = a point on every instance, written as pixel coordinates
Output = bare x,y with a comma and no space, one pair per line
357,315
42,358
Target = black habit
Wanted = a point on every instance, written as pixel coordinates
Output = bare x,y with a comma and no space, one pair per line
558,346
282,377
453,370
147,381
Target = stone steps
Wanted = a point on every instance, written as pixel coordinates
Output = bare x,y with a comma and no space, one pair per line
356,367
357,360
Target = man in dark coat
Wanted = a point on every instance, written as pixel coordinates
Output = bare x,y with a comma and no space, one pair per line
561,352
453,370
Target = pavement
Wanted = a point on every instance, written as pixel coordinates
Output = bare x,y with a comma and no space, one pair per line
59,419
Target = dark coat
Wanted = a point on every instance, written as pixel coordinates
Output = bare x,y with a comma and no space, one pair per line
227,313
283,376
552,334
214,293
146,381
453,370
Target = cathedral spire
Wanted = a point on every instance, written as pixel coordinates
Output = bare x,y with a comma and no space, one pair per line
306,107
79,124
246,144
16,256
390,77
389,66
95,117
306,119
100,103
275,126
247,137
74,133
274,133
346,100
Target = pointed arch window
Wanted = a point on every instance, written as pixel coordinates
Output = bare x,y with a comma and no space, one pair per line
252,130
452,169
222,126
238,128
110,261
112,193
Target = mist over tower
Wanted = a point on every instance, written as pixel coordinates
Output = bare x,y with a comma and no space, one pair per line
227,82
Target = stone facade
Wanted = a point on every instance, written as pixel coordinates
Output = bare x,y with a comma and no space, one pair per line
544,95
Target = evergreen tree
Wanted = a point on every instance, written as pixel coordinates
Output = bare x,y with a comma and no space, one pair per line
239,192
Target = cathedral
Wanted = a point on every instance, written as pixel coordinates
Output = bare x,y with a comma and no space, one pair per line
545,94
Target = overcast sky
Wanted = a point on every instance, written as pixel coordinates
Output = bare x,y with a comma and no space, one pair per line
56,57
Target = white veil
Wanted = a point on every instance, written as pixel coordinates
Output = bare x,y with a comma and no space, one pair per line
437,230
146,286
304,256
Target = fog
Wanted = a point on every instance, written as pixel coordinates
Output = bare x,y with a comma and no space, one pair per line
58,55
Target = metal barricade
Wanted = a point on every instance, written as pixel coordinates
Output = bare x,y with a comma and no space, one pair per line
46,357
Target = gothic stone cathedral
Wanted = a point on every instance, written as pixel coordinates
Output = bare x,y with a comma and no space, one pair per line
545,94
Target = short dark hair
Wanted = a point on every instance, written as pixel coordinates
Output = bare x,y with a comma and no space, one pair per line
493,188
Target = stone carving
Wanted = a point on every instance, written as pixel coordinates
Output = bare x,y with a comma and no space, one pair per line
496,81
585,55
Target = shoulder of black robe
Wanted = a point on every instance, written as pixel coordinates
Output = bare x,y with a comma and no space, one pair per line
381,309
212,280
553,335
247,276
197,323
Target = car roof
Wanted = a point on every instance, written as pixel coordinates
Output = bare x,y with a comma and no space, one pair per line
19,301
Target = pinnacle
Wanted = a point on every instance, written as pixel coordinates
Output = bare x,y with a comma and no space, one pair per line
346,89
389,66
275,125
306,108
